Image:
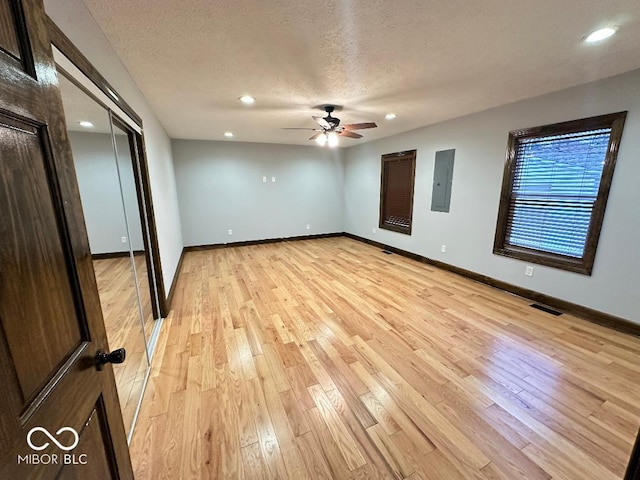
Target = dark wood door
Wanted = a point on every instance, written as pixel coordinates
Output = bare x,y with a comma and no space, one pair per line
59,415
633,468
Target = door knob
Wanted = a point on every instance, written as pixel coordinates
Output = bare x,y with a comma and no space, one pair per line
117,356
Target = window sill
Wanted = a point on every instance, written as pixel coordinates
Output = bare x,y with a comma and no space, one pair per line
395,228
561,262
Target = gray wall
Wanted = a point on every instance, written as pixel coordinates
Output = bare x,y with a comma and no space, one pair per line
99,186
220,188
468,230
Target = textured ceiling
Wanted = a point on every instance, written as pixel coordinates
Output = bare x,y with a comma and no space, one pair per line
427,61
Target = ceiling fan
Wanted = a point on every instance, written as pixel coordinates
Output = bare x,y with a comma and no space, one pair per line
330,128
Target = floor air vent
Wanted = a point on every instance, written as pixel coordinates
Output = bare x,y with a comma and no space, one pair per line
387,252
546,309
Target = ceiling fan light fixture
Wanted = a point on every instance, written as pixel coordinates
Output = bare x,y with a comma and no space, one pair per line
322,139
390,116
329,128
247,99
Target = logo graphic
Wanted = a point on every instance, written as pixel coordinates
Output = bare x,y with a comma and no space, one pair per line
76,438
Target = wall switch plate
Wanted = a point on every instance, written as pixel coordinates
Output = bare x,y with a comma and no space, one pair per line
273,179
229,232
264,179
528,271
308,227
123,239
373,230
443,248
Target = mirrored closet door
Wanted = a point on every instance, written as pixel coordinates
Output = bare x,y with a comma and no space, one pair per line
105,159
128,170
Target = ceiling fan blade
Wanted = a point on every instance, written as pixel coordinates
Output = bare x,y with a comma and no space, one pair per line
347,133
359,126
323,123
315,136
300,128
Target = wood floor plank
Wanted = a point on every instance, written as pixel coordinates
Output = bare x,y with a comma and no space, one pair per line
339,431
211,455
438,467
282,428
587,466
616,420
245,354
394,457
253,463
295,413
507,458
300,377
345,385
313,458
329,447
231,428
327,359
386,421
173,444
436,426
192,440
144,448
268,440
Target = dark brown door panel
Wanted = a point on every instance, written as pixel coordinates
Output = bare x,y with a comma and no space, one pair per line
59,415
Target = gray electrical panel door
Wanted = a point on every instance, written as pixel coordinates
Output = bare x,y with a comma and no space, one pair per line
442,179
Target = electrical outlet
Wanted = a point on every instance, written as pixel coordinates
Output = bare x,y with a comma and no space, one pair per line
229,232
308,227
264,179
373,230
123,239
273,179
443,248
528,271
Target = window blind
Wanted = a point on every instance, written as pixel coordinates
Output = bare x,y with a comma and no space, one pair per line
397,192
555,185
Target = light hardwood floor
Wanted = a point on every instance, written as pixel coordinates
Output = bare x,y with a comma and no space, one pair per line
118,298
326,359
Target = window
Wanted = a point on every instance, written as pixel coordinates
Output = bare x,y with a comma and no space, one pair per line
396,191
554,191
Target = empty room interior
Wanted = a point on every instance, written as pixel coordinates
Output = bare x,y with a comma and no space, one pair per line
336,240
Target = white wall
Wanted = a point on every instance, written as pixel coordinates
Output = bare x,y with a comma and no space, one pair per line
75,20
220,187
468,230
99,185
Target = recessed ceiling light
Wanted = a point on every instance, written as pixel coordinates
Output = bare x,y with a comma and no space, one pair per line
228,134
601,34
247,99
85,124
390,116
